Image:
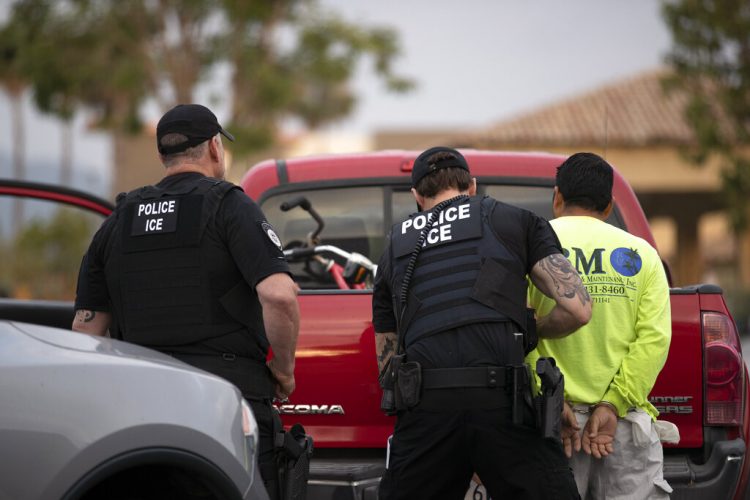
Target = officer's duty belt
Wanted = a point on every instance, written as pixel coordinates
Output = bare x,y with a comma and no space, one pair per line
455,378
474,388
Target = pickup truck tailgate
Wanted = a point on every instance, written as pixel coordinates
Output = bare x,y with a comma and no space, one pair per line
337,397
678,393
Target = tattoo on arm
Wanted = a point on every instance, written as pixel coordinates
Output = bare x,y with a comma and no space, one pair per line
565,278
389,347
91,322
85,316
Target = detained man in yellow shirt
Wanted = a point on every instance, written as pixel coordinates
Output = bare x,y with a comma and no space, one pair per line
610,364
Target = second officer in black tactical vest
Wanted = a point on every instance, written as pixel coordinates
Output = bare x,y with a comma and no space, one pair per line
449,308
190,267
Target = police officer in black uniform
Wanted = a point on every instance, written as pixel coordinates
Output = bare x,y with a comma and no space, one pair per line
190,267
450,293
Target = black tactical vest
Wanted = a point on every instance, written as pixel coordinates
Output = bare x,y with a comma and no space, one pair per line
165,293
464,273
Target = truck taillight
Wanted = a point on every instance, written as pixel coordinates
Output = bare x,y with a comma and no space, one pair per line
723,370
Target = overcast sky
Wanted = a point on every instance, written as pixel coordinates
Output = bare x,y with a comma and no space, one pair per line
479,61
475,62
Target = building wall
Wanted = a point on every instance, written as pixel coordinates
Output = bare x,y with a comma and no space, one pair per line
651,168
136,162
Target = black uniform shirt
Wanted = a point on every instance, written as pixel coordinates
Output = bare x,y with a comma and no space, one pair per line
480,344
236,226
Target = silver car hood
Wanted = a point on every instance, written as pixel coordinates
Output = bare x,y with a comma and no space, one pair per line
80,342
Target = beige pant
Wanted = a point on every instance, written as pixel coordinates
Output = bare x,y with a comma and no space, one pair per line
633,471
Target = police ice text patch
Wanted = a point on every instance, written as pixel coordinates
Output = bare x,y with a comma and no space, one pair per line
155,217
455,223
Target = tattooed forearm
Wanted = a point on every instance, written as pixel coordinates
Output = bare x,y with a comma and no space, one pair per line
385,347
388,349
565,278
557,279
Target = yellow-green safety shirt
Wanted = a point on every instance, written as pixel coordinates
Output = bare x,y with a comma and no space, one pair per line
617,356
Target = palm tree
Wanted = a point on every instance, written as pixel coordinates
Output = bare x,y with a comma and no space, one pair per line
13,84
17,37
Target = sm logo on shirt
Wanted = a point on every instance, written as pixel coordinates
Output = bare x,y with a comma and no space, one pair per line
626,261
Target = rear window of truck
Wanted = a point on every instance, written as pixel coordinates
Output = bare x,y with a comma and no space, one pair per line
358,218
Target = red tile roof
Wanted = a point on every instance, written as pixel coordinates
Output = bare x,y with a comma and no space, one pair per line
632,112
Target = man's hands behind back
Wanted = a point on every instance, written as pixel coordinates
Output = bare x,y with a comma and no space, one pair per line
599,433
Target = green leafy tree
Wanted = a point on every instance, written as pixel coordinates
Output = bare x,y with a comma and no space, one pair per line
287,60
307,80
711,61
48,252
6,267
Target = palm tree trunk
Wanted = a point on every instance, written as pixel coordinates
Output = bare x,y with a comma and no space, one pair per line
66,153
18,134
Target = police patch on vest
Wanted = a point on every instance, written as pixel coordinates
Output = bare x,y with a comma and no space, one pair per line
155,217
268,229
455,223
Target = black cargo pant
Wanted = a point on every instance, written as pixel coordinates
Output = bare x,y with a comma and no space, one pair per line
434,454
268,423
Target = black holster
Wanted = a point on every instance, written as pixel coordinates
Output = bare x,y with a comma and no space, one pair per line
387,380
408,385
293,451
401,382
549,403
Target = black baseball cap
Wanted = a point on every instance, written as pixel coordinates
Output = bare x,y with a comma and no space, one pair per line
423,167
194,121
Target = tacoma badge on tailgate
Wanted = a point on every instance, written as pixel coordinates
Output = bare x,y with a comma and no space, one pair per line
310,409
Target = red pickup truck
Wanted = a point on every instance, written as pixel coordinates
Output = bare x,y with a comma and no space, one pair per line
333,213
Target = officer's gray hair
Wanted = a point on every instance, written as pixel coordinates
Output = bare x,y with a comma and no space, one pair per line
194,153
